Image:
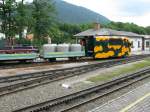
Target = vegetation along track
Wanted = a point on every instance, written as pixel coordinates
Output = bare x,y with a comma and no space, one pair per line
21,82
80,98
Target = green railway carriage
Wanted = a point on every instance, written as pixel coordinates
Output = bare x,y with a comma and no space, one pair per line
53,51
18,53
47,55
20,56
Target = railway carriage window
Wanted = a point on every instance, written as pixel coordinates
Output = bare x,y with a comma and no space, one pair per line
83,42
147,44
115,41
132,45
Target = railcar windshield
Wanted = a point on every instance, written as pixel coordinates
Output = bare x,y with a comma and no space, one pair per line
115,41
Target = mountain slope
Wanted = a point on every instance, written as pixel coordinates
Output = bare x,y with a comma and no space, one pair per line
69,13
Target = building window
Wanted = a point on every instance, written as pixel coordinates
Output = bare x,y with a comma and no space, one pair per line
139,44
147,44
132,44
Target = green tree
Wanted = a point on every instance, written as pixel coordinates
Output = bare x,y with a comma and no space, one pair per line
8,26
131,27
63,33
148,30
43,13
21,18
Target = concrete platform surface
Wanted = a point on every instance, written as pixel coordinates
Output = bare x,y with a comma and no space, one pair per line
26,70
140,52
137,100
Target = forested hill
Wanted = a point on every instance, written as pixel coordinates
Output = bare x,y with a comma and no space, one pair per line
69,13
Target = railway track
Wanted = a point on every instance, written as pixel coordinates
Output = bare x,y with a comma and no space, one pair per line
21,82
74,100
16,64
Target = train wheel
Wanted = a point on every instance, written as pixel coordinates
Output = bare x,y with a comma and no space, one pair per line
23,61
72,58
52,60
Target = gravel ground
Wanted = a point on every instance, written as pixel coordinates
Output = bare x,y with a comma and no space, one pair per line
49,91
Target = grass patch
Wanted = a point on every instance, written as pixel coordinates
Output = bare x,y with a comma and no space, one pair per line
122,70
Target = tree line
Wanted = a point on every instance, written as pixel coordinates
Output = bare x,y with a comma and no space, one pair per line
39,19
130,27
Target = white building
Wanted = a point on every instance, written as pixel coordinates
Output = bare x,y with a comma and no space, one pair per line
146,42
141,43
137,43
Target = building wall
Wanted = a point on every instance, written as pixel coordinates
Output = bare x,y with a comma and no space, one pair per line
136,44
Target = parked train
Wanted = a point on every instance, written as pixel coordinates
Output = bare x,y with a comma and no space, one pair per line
18,53
98,48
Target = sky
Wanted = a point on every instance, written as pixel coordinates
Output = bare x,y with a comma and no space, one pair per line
135,11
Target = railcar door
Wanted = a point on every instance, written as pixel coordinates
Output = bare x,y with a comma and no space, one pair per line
89,48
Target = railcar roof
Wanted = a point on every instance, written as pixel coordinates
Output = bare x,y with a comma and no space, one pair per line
106,32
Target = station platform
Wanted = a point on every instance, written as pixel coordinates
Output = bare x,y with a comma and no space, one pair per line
137,100
139,52
26,70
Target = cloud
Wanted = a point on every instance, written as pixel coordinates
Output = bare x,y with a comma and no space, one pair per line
134,7
140,20
136,11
